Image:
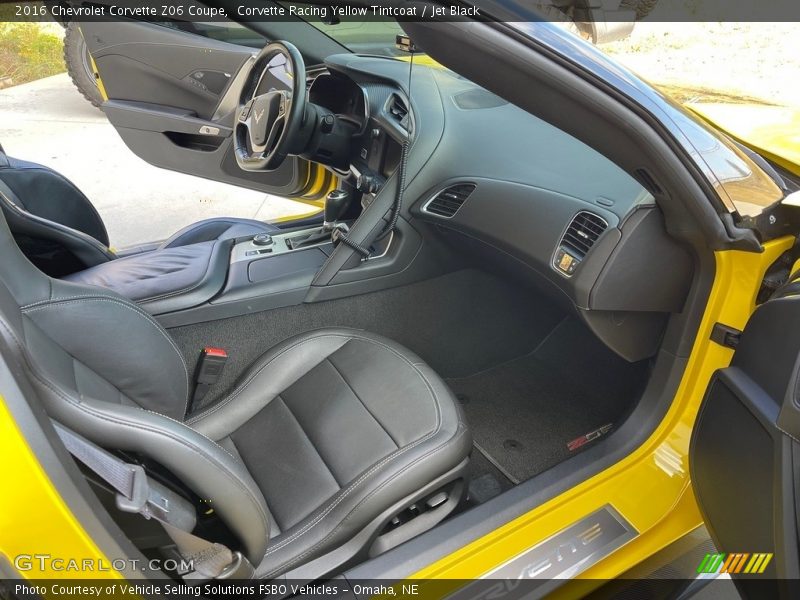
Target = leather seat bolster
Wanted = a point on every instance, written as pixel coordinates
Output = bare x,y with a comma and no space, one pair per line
83,246
40,191
206,467
275,371
129,336
165,280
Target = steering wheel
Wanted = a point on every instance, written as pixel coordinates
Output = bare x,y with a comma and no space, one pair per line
272,107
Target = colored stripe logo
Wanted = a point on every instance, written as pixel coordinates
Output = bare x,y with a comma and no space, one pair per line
736,562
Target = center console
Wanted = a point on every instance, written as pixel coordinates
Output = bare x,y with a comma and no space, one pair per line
289,267
264,272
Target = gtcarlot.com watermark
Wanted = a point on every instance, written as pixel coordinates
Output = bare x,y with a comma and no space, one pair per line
47,562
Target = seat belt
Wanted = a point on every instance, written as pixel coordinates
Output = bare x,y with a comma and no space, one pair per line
138,493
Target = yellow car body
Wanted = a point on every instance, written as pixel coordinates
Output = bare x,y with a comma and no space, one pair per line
772,131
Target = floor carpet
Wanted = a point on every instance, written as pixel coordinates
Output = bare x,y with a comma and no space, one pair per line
458,323
525,412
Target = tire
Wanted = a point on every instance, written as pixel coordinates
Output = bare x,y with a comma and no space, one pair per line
79,65
641,7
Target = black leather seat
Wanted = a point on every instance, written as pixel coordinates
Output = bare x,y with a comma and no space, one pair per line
61,232
325,439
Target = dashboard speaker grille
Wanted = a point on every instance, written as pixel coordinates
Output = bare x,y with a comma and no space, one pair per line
447,202
582,233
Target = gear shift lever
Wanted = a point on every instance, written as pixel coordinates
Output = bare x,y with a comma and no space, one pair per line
336,202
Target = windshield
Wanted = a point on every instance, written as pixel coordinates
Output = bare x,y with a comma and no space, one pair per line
728,63
741,184
745,86
740,76
358,35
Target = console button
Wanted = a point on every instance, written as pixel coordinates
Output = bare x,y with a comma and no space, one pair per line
263,239
565,262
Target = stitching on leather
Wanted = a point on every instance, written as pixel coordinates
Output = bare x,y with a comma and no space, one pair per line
119,421
200,433
187,288
241,387
55,303
25,307
369,412
343,494
310,441
87,409
459,433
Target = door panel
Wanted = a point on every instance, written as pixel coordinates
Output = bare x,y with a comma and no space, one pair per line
171,96
159,64
745,454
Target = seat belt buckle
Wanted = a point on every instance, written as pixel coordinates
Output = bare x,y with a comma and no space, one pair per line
209,369
212,361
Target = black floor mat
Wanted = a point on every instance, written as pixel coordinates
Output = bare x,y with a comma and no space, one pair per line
524,413
485,480
458,323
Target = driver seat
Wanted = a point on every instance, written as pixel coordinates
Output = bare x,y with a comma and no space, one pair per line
60,231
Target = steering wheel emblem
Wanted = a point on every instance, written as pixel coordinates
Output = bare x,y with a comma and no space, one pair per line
258,115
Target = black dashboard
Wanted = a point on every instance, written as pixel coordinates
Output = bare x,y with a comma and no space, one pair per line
496,181
342,96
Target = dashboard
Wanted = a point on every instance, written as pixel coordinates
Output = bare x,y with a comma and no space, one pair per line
504,186
342,96
380,115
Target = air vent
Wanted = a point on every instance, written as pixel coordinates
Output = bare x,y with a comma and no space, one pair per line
398,110
582,233
447,202
580,236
